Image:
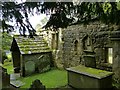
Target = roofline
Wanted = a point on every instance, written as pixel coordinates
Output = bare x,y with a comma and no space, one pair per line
34,53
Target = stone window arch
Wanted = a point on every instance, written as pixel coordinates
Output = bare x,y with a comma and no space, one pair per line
109,55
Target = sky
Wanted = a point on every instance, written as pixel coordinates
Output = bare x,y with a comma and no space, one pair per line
36,19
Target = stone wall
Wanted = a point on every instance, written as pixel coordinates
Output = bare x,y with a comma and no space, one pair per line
75,39
54,40
35,63
91,37
71,35
116,56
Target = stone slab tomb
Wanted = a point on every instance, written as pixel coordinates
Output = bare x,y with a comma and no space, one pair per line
82,77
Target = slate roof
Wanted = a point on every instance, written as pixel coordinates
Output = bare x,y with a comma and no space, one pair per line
28,45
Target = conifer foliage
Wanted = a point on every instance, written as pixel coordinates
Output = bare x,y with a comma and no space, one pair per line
62,14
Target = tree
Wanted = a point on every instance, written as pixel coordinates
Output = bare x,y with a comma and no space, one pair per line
62,14
20,13
6,45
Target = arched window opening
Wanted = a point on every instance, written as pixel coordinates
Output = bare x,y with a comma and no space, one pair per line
110,55
76,46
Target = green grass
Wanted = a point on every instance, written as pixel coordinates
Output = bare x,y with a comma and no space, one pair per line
51,79
9,67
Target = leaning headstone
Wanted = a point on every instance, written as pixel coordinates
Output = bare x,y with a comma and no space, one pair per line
29,67
37,85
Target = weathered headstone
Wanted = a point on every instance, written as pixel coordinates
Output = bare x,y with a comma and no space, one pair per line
89,61
89,58
29,67
16,83
5,78
12,77
37,85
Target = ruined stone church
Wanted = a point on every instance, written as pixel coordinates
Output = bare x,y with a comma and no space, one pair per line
95,45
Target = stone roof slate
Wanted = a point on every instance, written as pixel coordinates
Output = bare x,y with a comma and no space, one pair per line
28,45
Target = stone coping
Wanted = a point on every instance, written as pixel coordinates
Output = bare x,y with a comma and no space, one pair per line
91,72
114,39
36,52
88,55
89,51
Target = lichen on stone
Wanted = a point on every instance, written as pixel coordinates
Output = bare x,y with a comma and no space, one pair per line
90,71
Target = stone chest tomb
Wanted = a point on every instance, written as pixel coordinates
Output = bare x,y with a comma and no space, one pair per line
84,77
30,55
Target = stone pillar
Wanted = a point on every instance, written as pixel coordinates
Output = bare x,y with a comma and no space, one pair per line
22,67
116,56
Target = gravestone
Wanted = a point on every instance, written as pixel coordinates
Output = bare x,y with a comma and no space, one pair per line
37,85
16,83
5,78
89,58
14,80
12,77
29,67
89,61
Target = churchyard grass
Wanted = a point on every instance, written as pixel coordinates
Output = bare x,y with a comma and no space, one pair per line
9,66
51,79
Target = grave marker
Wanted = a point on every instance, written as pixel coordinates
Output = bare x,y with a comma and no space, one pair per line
29,67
